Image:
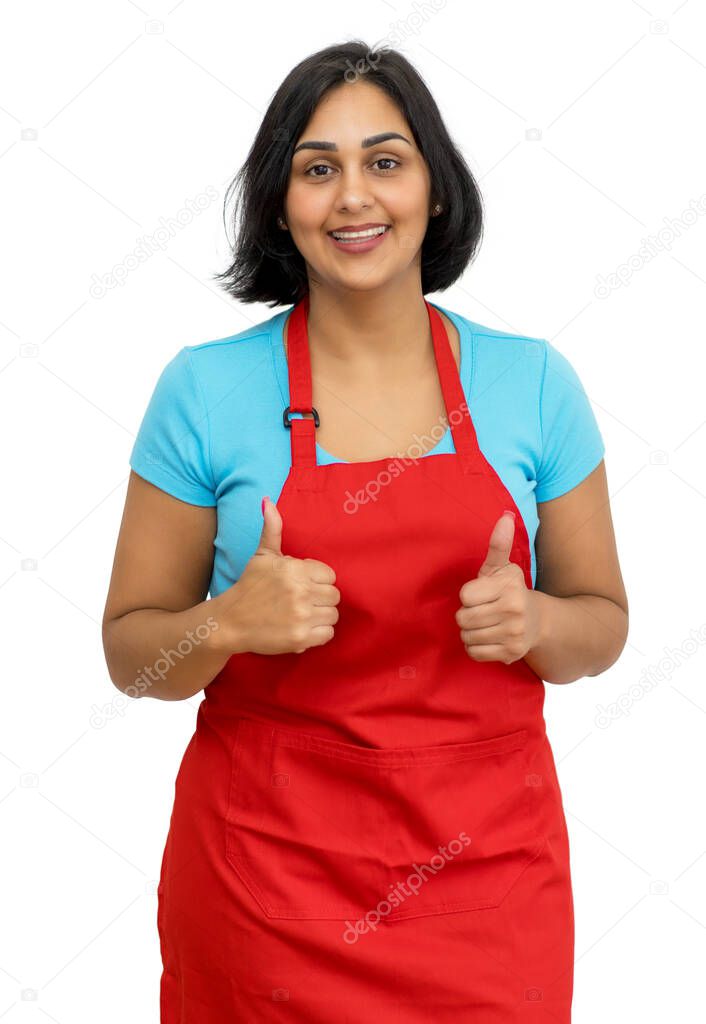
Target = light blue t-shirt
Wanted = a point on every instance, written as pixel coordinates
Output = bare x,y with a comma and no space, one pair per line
212,433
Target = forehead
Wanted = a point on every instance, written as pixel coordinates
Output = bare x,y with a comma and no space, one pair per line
349,112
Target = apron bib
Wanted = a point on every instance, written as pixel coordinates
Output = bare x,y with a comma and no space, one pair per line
373,829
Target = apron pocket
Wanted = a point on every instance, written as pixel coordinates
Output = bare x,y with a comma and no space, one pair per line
321,829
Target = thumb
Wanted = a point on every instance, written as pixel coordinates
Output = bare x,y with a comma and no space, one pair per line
271,536
500,544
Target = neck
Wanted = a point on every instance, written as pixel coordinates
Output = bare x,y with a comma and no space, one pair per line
370,328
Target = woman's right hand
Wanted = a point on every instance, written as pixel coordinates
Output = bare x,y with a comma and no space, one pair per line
280,604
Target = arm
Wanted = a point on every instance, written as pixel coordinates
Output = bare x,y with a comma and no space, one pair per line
157,597
579,595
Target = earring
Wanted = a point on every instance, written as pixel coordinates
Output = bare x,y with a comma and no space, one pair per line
281,222
437,209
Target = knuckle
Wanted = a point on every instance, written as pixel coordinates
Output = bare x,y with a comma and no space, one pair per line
300,636
300,613
291,584
326,635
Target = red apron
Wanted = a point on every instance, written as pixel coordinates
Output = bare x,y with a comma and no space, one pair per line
372,830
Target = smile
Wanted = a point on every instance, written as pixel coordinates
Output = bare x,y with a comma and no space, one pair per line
355,243
354,236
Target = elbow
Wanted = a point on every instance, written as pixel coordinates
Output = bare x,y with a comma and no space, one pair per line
112,662
108,653
618,639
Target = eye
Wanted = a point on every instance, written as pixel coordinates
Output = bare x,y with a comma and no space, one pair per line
387,160
380,159
309,174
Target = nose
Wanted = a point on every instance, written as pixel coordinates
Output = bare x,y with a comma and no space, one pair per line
353,192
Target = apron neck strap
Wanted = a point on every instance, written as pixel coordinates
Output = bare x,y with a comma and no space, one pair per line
304,427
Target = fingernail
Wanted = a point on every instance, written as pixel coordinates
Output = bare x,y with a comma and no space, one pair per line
509,511
262,506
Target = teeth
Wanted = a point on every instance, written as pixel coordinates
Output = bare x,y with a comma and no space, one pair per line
352,235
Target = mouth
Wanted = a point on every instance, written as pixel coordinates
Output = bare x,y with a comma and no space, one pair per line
360,235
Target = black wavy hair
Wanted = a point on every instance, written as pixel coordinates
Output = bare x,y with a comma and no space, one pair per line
266,266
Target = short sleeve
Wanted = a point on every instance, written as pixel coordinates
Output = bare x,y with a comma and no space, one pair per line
171,450
572,445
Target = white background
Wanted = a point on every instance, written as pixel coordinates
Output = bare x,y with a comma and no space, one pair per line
584,125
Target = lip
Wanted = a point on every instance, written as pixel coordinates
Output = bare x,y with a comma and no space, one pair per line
364,244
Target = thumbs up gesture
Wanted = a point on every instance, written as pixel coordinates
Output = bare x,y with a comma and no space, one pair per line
280,604
498,617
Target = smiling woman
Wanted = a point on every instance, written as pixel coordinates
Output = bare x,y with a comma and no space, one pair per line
315,140
381,631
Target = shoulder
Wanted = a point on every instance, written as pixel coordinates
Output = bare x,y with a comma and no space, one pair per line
260,329
212,355
499,364
541,361
195,371
242,363
528,395
505,342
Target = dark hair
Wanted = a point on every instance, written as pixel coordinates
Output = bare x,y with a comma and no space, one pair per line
266,266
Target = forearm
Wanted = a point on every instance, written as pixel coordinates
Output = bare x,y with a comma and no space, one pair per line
151,652
581,635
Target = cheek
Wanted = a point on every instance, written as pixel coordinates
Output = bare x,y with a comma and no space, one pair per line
409,205
307,207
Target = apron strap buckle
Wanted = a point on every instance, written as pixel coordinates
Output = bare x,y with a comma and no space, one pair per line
287,419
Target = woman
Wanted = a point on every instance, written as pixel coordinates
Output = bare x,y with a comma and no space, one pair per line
367,822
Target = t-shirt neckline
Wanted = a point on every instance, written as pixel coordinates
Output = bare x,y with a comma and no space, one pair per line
465,370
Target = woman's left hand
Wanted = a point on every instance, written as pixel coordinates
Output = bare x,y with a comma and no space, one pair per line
499,616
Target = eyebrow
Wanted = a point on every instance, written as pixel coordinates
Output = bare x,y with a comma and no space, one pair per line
371,140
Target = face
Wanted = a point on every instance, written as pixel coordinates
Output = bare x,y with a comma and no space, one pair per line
383,183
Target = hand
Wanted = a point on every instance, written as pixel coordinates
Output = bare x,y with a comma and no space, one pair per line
280,604
499,617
